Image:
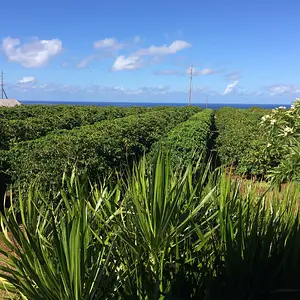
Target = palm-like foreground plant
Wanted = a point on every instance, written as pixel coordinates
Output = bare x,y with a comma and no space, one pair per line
158,234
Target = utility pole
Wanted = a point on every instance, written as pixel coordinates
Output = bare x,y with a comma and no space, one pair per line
191,80
2,87
206,102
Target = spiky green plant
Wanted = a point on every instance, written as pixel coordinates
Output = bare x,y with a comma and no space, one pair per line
156,233
160,211
55,252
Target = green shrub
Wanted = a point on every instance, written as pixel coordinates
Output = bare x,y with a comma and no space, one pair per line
240,140
188,140
58,117
22,112
281,133
99,147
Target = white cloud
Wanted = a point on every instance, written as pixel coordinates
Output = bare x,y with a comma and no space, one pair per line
85,61
134,61
280,89
230,87
31,55
164,50
27,79
108,43
126,63
109,46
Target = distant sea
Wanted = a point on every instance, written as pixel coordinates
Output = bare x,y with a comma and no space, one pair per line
150,104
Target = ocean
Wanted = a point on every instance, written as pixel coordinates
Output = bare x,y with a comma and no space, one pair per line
150,104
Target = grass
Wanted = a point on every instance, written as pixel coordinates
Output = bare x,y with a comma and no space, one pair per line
156,234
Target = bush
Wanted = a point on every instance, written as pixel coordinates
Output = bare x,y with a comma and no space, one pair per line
99,147
281,134
240,139
188,140
88,113
52,118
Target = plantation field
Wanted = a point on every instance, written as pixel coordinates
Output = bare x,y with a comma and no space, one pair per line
45,141
150,203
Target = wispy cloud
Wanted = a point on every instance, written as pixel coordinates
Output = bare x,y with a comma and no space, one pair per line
230,87
27,79
202,72
166,72
109,44
92,89
107,48
31,55
280,89
126,63
152,51
236,75
86,61
196,72
164,50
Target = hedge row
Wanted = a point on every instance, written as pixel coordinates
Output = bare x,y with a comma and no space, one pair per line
187,140
56,118
239,139
23,112
99,147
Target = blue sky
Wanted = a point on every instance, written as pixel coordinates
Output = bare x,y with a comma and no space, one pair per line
242,51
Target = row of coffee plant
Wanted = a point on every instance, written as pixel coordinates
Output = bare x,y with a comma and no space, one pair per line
240,139
99,148
188,140
17,125
23,112
260,142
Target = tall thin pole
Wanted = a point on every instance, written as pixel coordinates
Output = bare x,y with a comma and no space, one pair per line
2,85
191,80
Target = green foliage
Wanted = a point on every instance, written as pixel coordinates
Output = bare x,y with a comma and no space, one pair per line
157,234
99,147
240,140
3,137
188,140
281,131
22,112
57,253
88,113
20,125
